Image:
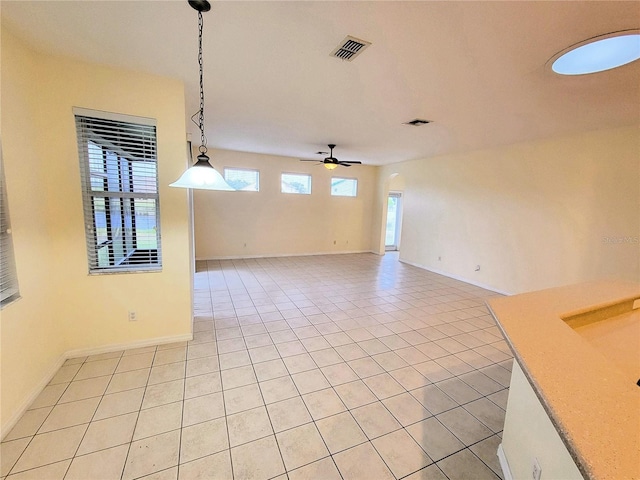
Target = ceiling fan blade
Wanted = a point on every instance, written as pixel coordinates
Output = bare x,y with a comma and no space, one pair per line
356,162
344,164
322,153
305,160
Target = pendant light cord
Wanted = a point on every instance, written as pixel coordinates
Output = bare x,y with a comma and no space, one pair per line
200,113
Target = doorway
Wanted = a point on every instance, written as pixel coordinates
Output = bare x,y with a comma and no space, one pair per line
394,217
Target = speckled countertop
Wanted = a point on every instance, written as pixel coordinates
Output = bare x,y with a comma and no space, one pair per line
593,405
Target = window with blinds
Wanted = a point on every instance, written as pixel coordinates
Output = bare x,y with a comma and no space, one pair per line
295,183
119,173
8,277
344,187
242,179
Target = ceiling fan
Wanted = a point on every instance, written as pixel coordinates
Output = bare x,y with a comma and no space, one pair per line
331,162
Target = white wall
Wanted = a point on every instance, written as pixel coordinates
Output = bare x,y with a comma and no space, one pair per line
529,434
273,223
532,215
63,308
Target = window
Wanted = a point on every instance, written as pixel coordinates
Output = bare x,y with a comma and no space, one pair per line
119,173
8,278
242,179
296,183
344,187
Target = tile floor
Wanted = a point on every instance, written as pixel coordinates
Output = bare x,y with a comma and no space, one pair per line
323,367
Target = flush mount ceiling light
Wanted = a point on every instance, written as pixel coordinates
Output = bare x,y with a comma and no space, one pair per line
201,175
598,54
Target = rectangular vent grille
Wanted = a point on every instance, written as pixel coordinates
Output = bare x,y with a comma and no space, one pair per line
350,48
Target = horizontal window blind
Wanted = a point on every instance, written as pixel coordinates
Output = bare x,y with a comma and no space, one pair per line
295,183
119,173
8,277
243,179
344,187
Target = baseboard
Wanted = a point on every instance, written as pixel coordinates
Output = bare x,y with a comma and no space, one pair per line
278,255
504,464
114,347
455,277
11,422
6,427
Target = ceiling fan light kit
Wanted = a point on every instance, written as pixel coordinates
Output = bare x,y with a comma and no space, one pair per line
202,175
331,162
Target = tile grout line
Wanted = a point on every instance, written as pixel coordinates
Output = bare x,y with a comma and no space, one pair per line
124,466
184,388
313,421
224,403
92,416
267,410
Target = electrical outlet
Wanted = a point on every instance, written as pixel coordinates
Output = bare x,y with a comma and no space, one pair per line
132,316
536,470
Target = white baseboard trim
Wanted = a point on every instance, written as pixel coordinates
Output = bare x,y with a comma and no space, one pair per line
504,464
13,419
6,427
114,347
455,277
278,255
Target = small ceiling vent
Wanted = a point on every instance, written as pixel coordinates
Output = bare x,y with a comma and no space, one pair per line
418,122
350,48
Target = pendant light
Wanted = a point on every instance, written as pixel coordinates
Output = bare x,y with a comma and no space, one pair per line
201,175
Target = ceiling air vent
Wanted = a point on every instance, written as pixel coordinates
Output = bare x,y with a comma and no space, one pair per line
350,48
417,122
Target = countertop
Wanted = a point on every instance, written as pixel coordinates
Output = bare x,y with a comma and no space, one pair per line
592,403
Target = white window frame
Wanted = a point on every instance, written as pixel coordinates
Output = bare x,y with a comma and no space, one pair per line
344,178
125,142
300,175
9,290
239,169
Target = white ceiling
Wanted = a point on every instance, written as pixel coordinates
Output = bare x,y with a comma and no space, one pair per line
477,69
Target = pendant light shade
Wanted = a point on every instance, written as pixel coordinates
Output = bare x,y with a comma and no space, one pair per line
201,175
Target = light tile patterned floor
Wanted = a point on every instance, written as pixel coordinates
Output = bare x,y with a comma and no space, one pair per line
323,367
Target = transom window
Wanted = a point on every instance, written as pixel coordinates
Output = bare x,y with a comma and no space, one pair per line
344,187
120,191
242,179
295,183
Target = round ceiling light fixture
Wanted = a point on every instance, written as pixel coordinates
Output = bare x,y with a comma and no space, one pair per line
598,54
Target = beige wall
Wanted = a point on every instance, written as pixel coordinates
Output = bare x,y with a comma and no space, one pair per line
274,223
532,215
63,308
